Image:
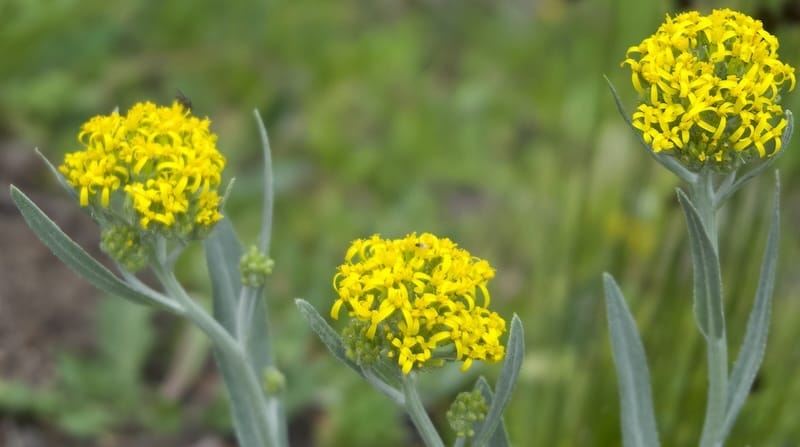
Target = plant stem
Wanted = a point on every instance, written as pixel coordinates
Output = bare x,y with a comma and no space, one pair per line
418,414
233,353
702,195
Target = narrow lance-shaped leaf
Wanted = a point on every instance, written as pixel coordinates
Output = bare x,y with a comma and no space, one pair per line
269,187
60,177
755,339
76,257
248,423
709,315
223,252
668,162
636,401
325,333
500,436
707,278
515,353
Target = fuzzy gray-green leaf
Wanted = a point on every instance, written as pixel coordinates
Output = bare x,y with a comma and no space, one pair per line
636,401
755,339
60,177
665,160
515,353
223,252
325,333
500,436
707,278
75,256
246,416
269,187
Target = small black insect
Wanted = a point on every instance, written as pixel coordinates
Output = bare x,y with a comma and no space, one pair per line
183,100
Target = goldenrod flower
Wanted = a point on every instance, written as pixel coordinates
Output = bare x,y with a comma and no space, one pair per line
710,89
419,294
156,167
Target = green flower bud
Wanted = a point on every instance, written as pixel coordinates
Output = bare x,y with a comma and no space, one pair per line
274,381
124,244
468,408
360,348
254,267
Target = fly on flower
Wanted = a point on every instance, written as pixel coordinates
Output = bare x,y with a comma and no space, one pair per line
183,100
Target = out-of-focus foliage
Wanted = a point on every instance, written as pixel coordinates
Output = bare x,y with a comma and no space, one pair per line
488,122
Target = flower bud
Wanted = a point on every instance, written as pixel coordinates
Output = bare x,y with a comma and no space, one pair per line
255,267
468,408
274,381
123,243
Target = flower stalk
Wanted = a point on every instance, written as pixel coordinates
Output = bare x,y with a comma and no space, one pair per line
416,410
701,196
709,108
149,178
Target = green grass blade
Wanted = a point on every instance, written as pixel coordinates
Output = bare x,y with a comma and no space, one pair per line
755,339
72,254
515,353
638,419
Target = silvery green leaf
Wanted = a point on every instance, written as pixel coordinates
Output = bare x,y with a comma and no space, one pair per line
72,254
500,436
515,353
638,419
269,187
325,332
668,162
60,177
248,422
755,339
223,252
707,279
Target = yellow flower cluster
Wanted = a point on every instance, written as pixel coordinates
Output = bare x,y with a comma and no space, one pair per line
420,293
710,88
162,162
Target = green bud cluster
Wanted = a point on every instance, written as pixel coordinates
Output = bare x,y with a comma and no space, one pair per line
358,347
123,243
255,267
468,408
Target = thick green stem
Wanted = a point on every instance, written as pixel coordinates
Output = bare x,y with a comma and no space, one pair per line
231,352
702,195
418,414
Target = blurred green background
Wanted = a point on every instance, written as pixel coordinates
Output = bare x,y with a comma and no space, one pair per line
488,122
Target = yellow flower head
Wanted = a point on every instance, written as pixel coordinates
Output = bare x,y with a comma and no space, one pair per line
710,89
419,294
156,167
